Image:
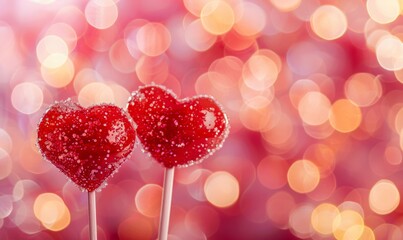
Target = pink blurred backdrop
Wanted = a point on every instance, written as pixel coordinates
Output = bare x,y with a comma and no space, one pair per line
312,89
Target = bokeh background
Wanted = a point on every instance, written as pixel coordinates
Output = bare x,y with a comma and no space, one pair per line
313,90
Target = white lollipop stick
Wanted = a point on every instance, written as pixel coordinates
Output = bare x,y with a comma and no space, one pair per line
93,215
166,203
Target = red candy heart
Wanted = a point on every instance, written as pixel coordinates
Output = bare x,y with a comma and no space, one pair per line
88,145
177,132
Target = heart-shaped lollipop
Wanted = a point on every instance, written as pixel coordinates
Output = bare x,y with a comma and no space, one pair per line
177,132
86,144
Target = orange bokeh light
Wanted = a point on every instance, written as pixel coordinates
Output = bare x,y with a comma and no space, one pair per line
329,22
303,176
217,17
345,116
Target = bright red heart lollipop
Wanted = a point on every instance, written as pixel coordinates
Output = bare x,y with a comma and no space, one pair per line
86,144
177,132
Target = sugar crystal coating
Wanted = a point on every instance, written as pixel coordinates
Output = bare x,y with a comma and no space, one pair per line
86,144
177,132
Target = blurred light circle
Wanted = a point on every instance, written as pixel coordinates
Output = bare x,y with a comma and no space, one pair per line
303,176
101,14
388,231
322,218
60,76
299,88
252,20
6,206
260,72
84,77
383,11
254,115
152,69
343,223
66,32
345,116
195,6
95,93
399,120
286,5
52,51
373,36
6,143
399,75
148,200
313,108
384,197
389,52
278,131
280,216
364,89
74,17
352,205
322,131
197,186
305,9
198,38
51,211
180,49
27,97
300,221
130,37
329,22
188,175
217,17
393,155
271,55
6,165
258,102
221,189
153,39
23,188
255,98
229,70
120,57
359,232
121,94
23,217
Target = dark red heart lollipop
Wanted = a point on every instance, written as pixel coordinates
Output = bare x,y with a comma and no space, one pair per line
86,144
177,132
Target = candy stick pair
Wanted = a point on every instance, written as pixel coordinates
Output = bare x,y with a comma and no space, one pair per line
89,145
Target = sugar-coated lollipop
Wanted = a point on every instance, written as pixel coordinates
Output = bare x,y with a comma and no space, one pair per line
176,132
87,144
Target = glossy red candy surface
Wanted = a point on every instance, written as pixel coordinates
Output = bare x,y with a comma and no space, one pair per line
177,132
86,144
